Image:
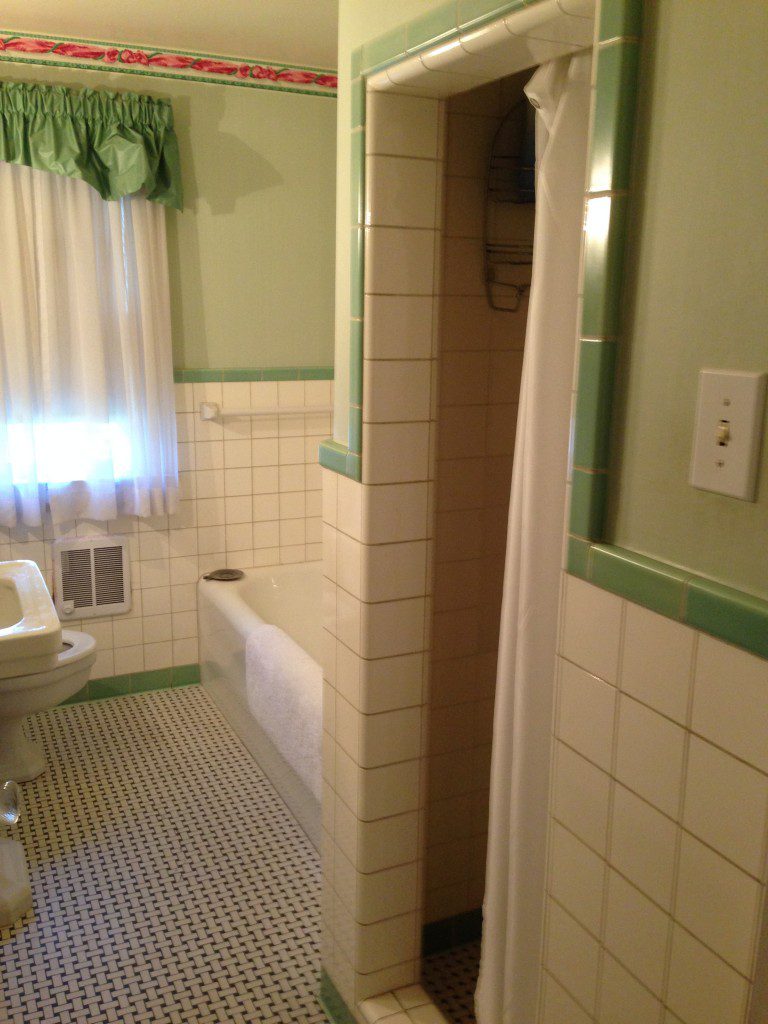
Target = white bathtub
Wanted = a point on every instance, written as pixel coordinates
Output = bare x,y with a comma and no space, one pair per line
287,596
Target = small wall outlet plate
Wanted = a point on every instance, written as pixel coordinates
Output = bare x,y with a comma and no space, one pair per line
728,432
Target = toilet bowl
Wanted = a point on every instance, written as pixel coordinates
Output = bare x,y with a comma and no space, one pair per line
20,758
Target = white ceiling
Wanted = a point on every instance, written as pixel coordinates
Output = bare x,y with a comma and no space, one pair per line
285,31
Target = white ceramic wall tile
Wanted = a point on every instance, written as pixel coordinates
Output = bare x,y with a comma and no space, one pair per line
729,705
395,452
572,955
657,661
401,192
559,1006
399,261
586,707
726,805
591,631
649,756
398,326
395,512
580,795
577,878
702,988
401,125
396,390
636,932
643,845
718,903
623,1000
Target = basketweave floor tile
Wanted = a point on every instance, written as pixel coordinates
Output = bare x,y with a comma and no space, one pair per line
450,977
171,884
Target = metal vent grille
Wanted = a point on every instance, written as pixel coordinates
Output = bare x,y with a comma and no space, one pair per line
92,577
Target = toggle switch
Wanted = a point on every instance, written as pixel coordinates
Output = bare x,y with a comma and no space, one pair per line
729,423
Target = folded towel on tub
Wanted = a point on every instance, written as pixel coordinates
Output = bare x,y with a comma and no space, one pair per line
285,693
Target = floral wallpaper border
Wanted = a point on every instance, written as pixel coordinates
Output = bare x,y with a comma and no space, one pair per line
40,49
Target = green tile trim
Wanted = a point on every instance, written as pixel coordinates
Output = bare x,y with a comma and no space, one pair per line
354,466
597,362
357,119
333,455
384,50
357,177
355,429
332,1003
620,18
723,612
356,272
642,580
728,614
437,25
207,376
474,13
356,62
577,561
605,239
614,119
356,362
137,682
589,496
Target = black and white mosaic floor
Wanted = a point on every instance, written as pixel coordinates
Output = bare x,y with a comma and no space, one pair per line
450,978
171,884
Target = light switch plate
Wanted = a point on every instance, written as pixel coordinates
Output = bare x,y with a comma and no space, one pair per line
729,424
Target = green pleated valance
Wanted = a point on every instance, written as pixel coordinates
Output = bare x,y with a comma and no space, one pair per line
119,143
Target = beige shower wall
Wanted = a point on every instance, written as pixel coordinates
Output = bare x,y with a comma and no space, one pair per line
480,354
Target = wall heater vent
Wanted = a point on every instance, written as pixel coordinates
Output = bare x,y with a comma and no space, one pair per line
92,577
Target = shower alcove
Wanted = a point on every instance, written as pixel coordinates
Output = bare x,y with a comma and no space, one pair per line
416,497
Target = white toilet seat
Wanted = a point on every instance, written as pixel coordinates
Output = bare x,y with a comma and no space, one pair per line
76,648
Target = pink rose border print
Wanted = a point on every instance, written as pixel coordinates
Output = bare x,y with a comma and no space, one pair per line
42,50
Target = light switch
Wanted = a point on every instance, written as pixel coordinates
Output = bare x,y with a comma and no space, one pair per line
729,423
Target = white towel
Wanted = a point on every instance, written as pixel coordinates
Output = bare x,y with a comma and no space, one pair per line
285,693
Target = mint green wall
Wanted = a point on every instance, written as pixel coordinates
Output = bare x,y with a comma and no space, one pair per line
698,295
251,257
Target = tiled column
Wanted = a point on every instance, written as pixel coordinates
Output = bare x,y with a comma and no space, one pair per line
377,537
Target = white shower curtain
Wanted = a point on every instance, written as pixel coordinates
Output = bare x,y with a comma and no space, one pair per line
513,907
87,417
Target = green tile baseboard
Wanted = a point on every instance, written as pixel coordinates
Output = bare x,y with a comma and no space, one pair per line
703,604
205,376
332,1003
137,682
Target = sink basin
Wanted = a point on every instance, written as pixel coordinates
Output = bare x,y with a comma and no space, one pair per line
30,631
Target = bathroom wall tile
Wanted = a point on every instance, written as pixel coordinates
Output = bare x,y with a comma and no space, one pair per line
576,878
580,797
349,559
395,512
392,627
702,988
718,903
591,631
393,571
399,261
398,326
401,125
349,507
726,805
395,452
386,842
623,1000
636,932
392,789
649,758
559,1006
657,661
585,713
572,955
729,706
396,391
389,737
643,844
401,192
387,684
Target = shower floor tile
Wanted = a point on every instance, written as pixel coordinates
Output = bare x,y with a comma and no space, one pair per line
450,977
171,884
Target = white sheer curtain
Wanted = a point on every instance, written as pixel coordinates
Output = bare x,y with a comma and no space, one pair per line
87,420
514,895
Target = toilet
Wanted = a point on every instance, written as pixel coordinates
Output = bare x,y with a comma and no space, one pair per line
20,695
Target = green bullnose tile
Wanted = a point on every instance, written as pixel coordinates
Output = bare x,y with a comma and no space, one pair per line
358,103
645,581
384,49
620,18
578,557
356,362
434,26
614,122
356,272
589,493
473,13
357,177
334,456
729,614
597,360
606,232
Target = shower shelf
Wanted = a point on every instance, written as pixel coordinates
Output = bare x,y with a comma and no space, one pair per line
213,411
